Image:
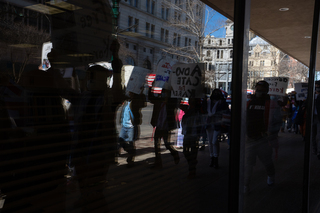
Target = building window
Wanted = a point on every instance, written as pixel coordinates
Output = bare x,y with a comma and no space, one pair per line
127,45
209,41
174,42
148,5
220,42
167,36
130,19
152,30
186,41
228,41
218,53
135,3
153,5
147,64
136,23
162,35
130,61
144,49
134,47
221,53
167,13
196,45
147,29
208,53
256,54
189,42
261,63
163,12
179,40
231,53
151,51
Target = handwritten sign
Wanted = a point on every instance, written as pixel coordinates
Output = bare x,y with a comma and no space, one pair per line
186,80
277,85
137,79
163,72
302,91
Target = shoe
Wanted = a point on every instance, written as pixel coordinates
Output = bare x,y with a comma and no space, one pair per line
202,148
270,180
216,163
130,164
246,190
176,158
212,162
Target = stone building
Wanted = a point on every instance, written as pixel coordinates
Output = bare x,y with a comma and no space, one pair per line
217,54
263,61
146,30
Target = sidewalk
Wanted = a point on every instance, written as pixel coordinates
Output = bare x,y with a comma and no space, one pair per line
140,189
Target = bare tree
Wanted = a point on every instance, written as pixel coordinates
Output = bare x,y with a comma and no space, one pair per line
192,20
296,71
21,42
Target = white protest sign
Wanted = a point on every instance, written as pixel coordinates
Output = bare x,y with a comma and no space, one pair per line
46,48
137,79
186,80
163,71
125,74
302,91
277,85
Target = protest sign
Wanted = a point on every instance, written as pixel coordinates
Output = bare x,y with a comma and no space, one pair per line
302,91
186,80
46,49
277,85
137,79
164,68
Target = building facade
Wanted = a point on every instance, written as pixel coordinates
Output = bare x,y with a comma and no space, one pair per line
263,61
148,32
218,52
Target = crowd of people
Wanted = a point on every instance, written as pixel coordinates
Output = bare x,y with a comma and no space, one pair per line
96,143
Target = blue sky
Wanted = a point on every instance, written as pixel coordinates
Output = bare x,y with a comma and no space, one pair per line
221,33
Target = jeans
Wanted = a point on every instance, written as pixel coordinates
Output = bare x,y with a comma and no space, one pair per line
126,142
257,148
214,145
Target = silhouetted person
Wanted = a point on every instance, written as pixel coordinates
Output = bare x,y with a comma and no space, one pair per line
130,121
191,129
96,137
164,120
257,135
216,106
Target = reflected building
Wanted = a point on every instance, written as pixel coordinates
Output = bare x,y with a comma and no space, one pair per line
148,31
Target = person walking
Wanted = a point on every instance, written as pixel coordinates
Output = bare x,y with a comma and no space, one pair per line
216,107
257,144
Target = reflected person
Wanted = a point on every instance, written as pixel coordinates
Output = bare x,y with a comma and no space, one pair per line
163,120
130,121
257,135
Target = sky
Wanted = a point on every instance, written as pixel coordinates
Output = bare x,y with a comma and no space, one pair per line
221,33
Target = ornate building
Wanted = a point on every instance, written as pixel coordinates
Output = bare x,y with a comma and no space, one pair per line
263,61
217,54
146,30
